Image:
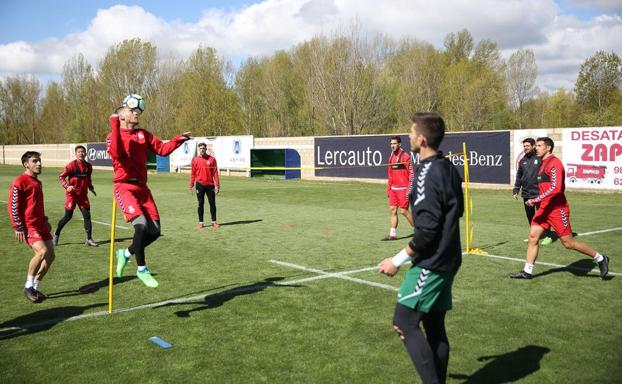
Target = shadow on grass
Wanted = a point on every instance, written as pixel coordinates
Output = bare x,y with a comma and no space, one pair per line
91,287
490,246
579,268
119,240
241,222
506,368
217,299
398,238
42,320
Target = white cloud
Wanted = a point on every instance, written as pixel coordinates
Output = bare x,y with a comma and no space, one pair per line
561,43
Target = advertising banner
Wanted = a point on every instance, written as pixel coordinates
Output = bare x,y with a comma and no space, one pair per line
182,156
488,154
231,152
593,157
97,154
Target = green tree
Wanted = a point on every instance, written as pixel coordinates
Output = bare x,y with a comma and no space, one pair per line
128,67
560,110
84,120
598,89
208,106
54,111
19,105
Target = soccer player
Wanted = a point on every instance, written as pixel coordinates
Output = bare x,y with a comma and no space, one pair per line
128,146
27,215
527,182
205,181
76,179
425,294
553,212
400,177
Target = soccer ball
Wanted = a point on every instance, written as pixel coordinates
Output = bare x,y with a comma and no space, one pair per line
134,101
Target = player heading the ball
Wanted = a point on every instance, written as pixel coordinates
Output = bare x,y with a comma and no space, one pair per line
128,146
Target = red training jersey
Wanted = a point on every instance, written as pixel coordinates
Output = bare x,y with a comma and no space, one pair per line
204,171
26,203
78,175
400,170
551,183
128,150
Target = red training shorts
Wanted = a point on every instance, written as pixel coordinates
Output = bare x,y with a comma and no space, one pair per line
73,200
38,234
135,200
558,218
398,198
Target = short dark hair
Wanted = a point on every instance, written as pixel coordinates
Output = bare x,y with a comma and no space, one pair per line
547,141
530,141
202,145
396,138
27,155
78,147
431,126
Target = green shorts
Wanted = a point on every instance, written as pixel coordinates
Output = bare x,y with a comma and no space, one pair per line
425,291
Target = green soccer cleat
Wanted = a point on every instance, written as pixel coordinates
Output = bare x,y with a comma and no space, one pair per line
146,277
546,241
121,261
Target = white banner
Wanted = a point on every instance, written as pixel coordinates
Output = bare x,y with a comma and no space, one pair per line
182,156
593,157
236,152
231,152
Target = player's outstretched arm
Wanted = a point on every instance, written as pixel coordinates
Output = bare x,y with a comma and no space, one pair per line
164,149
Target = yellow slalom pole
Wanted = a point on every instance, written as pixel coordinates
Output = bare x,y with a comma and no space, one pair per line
112,228
466,198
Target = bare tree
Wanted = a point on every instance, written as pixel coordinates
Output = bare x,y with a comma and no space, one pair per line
521,73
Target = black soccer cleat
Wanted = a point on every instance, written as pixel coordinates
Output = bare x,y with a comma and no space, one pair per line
604,267
521,275
40,295
31,294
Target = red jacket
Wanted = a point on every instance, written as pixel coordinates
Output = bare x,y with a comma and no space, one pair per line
204,171
79,174
128,150
26,204
400,170
551,183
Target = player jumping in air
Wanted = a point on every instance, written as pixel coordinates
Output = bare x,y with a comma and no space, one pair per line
128,146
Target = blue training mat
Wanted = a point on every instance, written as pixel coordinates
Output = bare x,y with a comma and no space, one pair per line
160,342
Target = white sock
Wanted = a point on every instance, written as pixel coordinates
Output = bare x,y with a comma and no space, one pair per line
30,281
392,232
141,268
127,253
598,258
528,268
35,284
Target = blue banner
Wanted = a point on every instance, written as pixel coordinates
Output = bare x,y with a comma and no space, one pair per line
97,154
488,154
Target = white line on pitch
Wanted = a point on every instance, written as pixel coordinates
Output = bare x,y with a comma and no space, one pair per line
108,224
94,221
601,231
338,275
181,300
543,263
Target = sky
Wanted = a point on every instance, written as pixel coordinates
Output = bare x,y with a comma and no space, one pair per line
38,37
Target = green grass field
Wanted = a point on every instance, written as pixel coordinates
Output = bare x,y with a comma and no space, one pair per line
226,307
